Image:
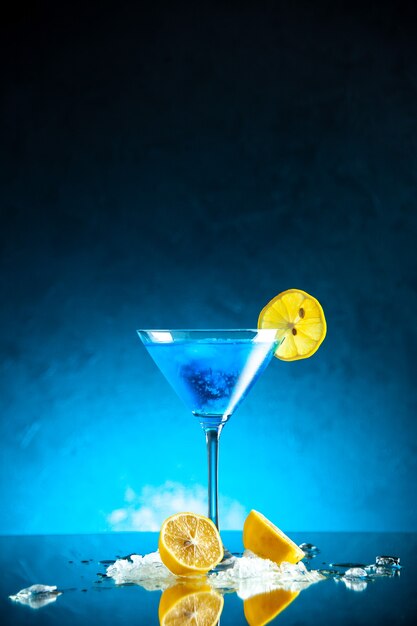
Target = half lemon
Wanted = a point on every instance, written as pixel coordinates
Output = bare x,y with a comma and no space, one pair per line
190,544
266,540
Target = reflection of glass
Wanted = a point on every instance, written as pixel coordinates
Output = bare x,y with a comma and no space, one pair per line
263,608
211,371
188,604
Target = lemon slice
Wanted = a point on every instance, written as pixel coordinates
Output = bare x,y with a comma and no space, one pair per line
263,608
300,321
269,542
189,544
190,605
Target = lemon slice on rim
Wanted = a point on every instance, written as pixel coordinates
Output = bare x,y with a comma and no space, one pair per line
190,544
190,605
266,540
300,321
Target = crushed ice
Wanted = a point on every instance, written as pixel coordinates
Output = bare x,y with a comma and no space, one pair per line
357,578
248,575
388,561
36,596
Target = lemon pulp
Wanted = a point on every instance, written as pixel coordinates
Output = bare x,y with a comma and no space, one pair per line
189,544
300,321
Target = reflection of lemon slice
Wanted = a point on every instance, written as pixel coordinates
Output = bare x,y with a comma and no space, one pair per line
269,542
190,544
190,605
261,609
300,321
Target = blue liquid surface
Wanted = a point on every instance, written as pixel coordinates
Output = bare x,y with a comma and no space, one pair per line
212,377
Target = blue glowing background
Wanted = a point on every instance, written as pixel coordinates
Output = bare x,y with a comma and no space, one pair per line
179,169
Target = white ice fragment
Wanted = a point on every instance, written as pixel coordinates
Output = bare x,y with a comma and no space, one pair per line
309,549
356,578
36,596
148,571
388,561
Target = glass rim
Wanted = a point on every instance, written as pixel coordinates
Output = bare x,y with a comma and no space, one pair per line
174,335
202,330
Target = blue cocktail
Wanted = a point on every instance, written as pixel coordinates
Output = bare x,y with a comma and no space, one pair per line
211,371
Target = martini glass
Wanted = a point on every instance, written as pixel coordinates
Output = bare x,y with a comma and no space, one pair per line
211,371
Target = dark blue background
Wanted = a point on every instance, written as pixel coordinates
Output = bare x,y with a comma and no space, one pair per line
178,166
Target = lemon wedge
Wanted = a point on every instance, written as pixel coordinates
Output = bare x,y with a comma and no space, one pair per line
190,605
263,608
189,544
269,542
300,321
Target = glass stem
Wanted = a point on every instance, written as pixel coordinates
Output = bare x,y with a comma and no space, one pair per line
212,439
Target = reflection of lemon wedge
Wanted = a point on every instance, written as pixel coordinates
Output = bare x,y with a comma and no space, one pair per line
269,542
190,544
261,609
190,605
300,321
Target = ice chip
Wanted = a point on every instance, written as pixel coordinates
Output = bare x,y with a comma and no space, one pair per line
309,550
355,573
388,561
36,596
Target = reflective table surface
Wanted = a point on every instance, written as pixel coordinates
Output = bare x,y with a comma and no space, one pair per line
76,564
